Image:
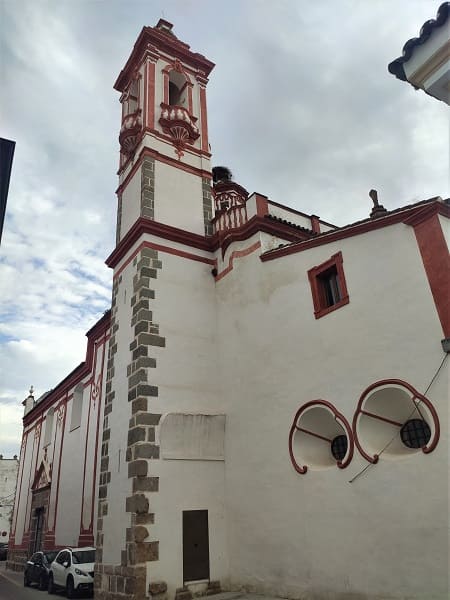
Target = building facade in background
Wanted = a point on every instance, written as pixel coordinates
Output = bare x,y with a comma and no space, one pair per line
265,407
8,477
425,61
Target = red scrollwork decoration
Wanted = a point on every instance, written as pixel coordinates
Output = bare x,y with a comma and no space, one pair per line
180,125
341,464
415,395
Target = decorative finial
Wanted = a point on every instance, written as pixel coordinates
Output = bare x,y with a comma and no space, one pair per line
378,209
31,390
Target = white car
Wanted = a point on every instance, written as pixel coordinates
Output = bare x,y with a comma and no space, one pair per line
73,570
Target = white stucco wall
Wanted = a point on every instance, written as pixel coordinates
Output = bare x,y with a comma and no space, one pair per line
131,203
317,534
178,198
8,477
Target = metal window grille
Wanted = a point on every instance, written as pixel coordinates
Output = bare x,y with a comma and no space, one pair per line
339,447
415,433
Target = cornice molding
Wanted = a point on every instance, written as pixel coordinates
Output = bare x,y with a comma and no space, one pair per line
154,38
406,216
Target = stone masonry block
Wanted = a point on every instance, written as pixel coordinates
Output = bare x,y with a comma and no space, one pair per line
138,503
142,304
143,282
146,293
138,377
146,451
149,253
157,587
138,405
147,519
147,390
144,315
138,468
145,362
147,551
140,351
149,272
148,419
149,339
146,484
140,533
136,435
141,327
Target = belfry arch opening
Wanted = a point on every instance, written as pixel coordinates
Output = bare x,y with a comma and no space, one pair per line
177,89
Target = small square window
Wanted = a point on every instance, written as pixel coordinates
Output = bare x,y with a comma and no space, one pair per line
328,286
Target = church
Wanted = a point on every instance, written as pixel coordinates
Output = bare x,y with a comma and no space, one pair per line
265,405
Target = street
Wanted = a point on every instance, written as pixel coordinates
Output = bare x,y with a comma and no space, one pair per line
12,588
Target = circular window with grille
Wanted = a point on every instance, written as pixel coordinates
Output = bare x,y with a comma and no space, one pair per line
320,438
394,419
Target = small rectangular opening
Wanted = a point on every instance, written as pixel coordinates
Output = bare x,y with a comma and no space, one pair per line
329,281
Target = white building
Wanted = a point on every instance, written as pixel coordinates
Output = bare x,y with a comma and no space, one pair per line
8,476
425,61
266,406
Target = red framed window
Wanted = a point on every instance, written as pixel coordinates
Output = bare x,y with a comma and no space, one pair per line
328,286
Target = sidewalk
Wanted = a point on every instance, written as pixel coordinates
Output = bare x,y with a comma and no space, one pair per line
12,576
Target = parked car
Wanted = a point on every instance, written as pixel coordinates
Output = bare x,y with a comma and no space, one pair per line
3,551
37,568
72,570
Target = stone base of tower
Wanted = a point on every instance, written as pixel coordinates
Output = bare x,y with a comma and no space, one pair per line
16,559
114,582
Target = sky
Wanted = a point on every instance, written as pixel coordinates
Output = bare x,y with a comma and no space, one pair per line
301,107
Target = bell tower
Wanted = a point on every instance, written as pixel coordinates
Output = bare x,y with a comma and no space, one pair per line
164,170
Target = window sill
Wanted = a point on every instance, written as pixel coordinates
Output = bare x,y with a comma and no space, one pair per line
322,312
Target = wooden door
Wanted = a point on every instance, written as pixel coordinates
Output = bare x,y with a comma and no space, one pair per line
195,545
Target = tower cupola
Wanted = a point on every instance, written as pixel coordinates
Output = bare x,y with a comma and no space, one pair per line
164,167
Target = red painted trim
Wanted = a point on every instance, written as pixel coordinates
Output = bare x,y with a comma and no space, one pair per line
61,448
237,254
172,66
436,261
320,310
150,122
190,101
152,37
262,205
338,417
165,87
189,149
173,162
315,223
145,226
209,244
204,119
380,418
415,394
316,435
97,437
23,450
300,213
167,250
256,224
88,424
352,230
27,515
